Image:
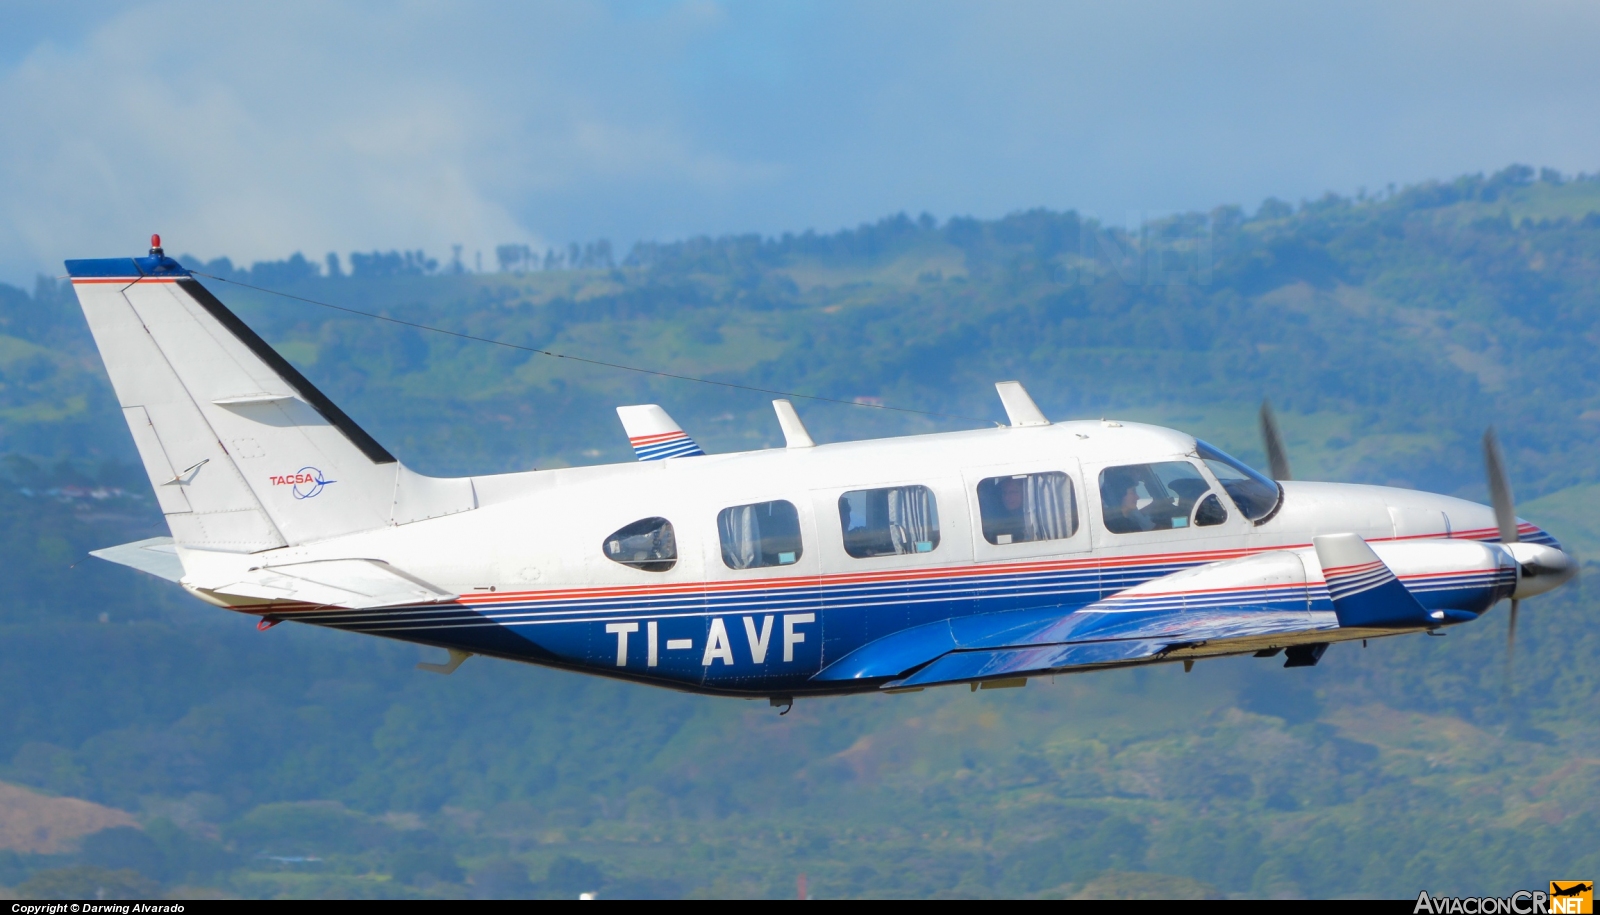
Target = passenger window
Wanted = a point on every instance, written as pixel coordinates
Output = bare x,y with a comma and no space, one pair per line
1157,497
760,535
889,522
1027,507
647,545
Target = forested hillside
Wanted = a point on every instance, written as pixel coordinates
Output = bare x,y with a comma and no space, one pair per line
1388,332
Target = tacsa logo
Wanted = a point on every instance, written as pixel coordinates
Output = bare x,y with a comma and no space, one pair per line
305,482
1571,897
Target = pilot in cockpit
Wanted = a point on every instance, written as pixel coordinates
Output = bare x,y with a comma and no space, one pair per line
1120,496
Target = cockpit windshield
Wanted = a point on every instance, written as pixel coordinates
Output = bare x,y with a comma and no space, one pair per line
1256,496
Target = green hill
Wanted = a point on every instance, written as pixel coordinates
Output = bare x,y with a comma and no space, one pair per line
1388,332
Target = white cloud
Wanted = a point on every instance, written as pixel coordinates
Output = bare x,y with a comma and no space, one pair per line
304,127
255,131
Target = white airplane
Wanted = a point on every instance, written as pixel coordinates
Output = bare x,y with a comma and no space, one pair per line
983,557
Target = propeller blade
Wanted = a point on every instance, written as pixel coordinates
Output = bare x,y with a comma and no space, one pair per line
1505,510
1511,641
1277,455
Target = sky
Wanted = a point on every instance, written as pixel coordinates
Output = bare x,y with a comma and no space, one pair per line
257,130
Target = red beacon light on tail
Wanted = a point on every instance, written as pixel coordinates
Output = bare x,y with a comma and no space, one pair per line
155,246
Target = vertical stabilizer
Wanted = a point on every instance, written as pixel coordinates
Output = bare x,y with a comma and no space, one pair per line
244,453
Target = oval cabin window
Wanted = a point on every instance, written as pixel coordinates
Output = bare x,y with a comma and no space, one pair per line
647,545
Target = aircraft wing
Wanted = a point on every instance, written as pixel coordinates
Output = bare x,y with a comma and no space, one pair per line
355,584
966,666
1261,595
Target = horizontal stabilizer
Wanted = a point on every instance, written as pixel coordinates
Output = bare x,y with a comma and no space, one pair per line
155,556
355,584
654,435
1365,593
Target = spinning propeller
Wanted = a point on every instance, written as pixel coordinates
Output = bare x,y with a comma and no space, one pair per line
1277,455
1539,568
1505,516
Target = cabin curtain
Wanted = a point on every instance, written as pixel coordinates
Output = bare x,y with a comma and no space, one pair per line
741,537
1048,509
913,519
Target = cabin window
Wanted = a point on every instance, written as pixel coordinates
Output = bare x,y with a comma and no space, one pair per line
760,535
647,544
1026,507
889,522
1154,497
1256,496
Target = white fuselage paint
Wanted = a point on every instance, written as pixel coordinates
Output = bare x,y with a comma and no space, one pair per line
540,533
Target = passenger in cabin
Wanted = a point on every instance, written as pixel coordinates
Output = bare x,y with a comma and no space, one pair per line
849,520
891,521
1027,507
1009,523
1003,504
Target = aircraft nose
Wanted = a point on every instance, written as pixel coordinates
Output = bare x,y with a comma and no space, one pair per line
1540,568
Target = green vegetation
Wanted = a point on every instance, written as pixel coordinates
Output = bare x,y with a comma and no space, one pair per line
297,762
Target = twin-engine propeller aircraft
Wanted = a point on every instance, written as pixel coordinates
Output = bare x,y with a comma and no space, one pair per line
981,557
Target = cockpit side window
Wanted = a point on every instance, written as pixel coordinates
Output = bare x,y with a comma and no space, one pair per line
1210,511
1027,507
760,535
1256,496
889,522
647,544
1157,497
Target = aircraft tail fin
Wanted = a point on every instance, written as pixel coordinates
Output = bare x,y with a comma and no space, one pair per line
244,453
654,435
